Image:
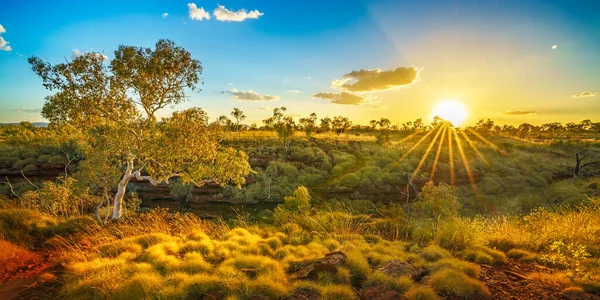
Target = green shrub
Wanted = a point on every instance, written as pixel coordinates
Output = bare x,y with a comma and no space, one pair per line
470,269
7,162
30,168
43,158
434,253
338,292
520,254
399,284
83,224
140,286
20,164
454,283
484,255
421,292
57,159
298,202
456,233
436,201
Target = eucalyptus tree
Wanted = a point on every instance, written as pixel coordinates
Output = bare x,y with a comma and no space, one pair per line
239,116
309,125
341,124
284,126
116,106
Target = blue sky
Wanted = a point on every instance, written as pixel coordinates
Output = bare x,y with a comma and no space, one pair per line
496,57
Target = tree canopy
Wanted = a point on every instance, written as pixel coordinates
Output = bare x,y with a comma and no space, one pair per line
116,105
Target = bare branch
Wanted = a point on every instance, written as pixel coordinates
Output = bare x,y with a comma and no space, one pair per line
35,186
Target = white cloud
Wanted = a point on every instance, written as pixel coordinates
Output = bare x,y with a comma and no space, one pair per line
29,110
265,108
585,94
223,14
249,95
554,47
76,53
4,45
165,15
292,91
197,13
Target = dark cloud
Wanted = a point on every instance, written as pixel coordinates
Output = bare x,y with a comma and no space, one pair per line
29,110
341,98
376,79
521,112
249,95
585,94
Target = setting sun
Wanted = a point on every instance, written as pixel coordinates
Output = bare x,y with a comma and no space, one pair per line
452,111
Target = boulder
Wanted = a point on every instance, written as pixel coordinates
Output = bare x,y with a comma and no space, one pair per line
328,264
303,294
397,268
378,292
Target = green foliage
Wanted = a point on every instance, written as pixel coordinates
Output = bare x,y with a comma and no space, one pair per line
299,202
436,201
421,293
30,168
520,254
484,255
568,256
454,283
57,159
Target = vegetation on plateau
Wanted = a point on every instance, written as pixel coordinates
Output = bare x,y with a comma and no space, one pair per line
410,210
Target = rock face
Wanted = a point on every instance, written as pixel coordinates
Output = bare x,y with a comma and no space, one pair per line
378,292
397,268
303,294
328,264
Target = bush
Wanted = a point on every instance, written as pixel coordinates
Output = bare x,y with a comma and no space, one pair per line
298,202
44,158
420,292
523,255
400,284
338,292
30,168
456,233
22,163
436,201
454,283
484,255
57,159
434,253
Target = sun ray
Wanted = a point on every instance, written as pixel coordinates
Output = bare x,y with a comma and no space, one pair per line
465,162
451,158
433,141
477,152
406,138
438,152
479,136
392,165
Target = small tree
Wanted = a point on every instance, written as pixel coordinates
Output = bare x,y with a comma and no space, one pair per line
115,106
436,201
284,126
298,202
341,124
309,125
239,117
373,124
325,124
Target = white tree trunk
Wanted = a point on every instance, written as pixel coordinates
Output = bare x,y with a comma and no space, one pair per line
121,189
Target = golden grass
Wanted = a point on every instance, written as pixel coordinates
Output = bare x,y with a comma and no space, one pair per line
454,283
